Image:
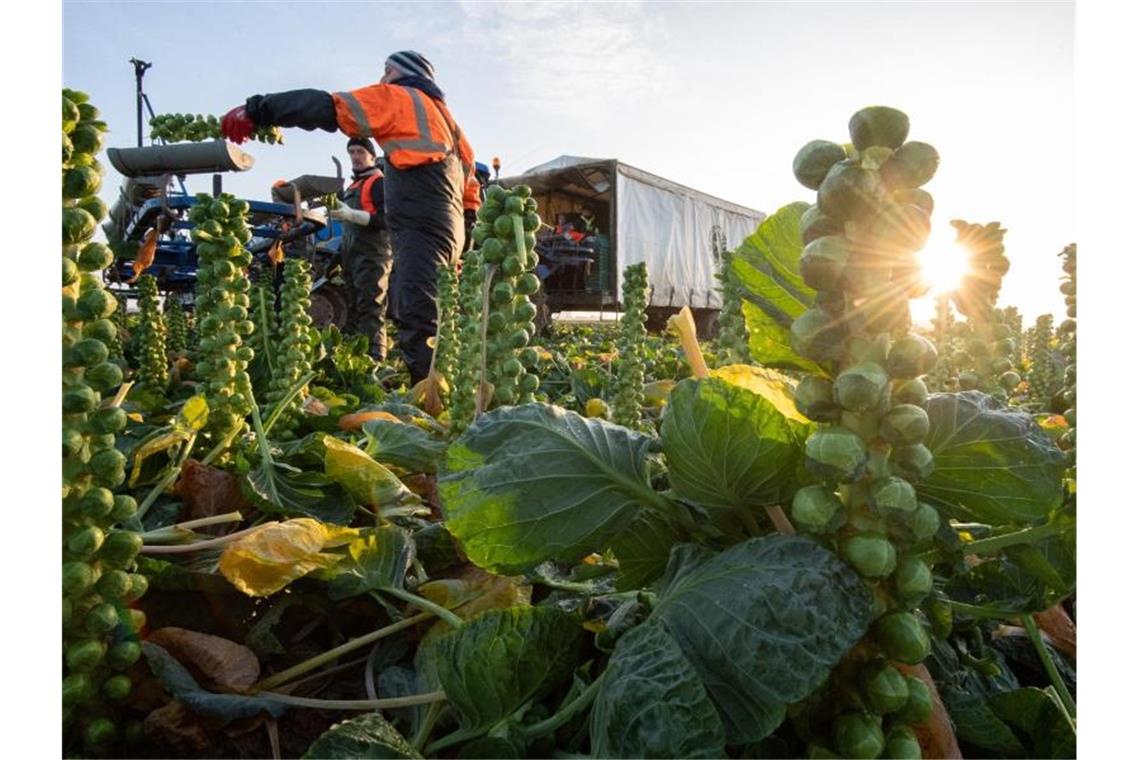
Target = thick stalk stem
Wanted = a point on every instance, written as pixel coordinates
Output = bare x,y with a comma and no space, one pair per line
1050,667
355,704
558,719
349,646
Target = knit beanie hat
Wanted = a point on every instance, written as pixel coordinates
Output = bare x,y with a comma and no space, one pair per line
363,142
411,63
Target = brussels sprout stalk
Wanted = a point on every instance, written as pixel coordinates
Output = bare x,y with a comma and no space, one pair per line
1030,626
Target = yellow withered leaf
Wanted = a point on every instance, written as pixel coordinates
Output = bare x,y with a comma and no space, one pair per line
274,555
776,387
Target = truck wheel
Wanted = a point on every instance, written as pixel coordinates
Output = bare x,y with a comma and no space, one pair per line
328,306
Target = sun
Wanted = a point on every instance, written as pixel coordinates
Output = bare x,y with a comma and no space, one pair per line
944,265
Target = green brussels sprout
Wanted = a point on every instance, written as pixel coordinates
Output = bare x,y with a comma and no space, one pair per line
865,425
77,688
814,224
919,703
112,584
862,387
816,509
815,399
812,162
79,399
85,654
968,380
913,463
901,637
940,614
904,424
872,555
77,577
836,454
921,524
823,261
902,744
528,284
117,688
817,335
858,735
913,579
85,541
97,503
884,687
911,356
105,376
910,392
101,619
893,497
99,733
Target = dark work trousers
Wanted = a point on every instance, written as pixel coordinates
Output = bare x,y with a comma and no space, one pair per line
423,208
367,261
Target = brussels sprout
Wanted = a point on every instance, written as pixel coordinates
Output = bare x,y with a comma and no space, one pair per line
85,541
968,380
893,497
901,637
836,454
902,744
117,688
884,687
85,654
921,524
912,462
815,399
77,577
904,424
76,688
101,619
911,356
872,555
866,426
919,703
938,611
910,392
858,735
862,387
818,336
816,509
815,224
823,260
79,399
1009,380
99,733
812,162
913,579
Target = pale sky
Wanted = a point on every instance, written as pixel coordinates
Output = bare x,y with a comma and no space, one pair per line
717,96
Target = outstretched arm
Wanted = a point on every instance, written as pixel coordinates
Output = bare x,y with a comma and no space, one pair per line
307,109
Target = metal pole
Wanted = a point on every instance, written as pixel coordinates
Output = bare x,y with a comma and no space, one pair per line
140,69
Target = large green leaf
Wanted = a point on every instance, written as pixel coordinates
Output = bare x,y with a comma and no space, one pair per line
367,736
652,702
276,489
642,551
497,662
533,483
403,445
221,708
730,449
976,724
379,561
991,464
763,624
766,267
1039,716
367,480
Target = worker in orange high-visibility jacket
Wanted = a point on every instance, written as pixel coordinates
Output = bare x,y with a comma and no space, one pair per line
429,177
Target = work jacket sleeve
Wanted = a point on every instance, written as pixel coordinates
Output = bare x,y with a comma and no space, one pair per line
376,218
307,109
369,111
471,200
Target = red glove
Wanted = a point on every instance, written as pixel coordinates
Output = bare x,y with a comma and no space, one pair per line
236,126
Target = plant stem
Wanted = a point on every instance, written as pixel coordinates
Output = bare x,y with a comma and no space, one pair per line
179,531
168,479
558,719
1030,626
488,278
977,611
780,520
287,399
441,612
997,543
455,737
426,725
197,545
361,641
355,704
292,685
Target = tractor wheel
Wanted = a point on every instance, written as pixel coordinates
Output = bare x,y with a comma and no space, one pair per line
328,306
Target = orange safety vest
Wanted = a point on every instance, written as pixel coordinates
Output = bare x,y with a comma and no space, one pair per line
411,128
365,186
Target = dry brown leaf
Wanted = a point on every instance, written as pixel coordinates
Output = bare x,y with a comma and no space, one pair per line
176,726
936,733
313,406
428,393
224,665
1060,628
207,491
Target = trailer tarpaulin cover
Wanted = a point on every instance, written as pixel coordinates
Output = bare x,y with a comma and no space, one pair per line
670,227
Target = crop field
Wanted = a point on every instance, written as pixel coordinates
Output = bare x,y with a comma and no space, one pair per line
833,529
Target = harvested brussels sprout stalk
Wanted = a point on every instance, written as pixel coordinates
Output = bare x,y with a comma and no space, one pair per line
99,631
178,127
630,363
861,237
151,337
